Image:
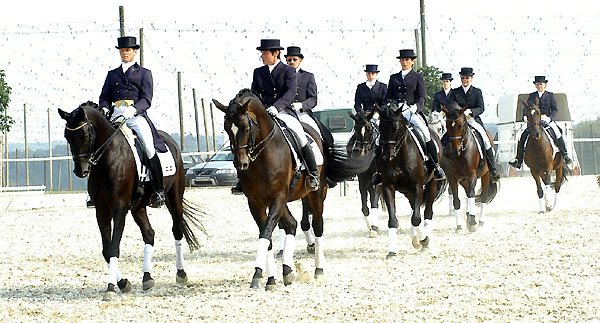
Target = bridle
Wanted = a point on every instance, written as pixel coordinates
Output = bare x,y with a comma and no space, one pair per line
94,156
462,137
253,149
531,125
397,143
367,144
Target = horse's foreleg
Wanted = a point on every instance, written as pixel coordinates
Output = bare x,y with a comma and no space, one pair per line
540,192
430,193
306,228
111,251
367,190
141,218
454,202
260,216
316,203
549,196
290,245
417,229
389,197
471,221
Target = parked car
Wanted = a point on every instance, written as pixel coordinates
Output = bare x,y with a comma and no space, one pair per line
218,170
189,161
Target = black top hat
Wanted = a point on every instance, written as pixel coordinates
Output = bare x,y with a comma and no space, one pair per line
446,76
466,71
371,68
266,44
294,51
540,79
407,53
127,42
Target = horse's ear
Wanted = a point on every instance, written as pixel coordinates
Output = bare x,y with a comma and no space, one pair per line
352,115
63,114
444,109
244,107
220,106
537,100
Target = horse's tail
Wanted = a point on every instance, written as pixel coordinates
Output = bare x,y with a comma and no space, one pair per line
191,215
491,194
441,188
339,166
565,171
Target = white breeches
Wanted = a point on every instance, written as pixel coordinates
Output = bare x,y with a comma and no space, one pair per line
306,118
554,127
142,128
295,125
417,121
486,141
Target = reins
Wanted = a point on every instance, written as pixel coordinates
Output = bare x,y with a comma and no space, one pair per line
251,146
464,134
96,155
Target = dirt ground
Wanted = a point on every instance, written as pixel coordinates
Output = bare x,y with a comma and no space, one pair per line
521,266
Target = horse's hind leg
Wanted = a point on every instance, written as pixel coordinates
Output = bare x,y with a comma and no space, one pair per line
540,192
174,204
316,203
306,228
454,202
417,231
390,202
110,245
290,225
141,218
430,193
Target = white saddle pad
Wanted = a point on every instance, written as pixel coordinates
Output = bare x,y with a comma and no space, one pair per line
313,145
166,159
552,143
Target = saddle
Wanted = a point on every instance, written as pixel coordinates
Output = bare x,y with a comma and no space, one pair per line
550,133
167,161
479,142
418,138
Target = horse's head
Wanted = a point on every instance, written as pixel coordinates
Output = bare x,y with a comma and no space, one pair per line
365,132
392,127
80,135
456,126
241,127
436,122
534,118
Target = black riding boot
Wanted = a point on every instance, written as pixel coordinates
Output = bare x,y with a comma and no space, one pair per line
156,179
438,172
236,187
489,156
376,178
563,149
311,164
518,161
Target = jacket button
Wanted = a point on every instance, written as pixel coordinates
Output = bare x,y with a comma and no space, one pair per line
117,83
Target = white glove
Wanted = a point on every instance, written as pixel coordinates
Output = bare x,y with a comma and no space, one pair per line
468,112
524,118
412,108
546,118
129,112
297,106
106,111
375,115
273,111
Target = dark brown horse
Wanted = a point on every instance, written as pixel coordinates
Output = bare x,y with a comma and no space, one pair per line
462,165
266,172
101,153
363,142
541,160
403,169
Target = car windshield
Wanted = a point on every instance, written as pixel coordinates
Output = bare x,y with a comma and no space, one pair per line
223,155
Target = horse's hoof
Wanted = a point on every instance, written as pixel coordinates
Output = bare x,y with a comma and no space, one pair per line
279,254
270,284
181,277
425,242
480,223
458,228
471,223
372,234
311,249
415,242
390,255
148,284
375,228
256,283
109,296
124,286
319,273
288,279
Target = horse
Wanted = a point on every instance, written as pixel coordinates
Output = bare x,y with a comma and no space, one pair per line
436,122
403,169
462,165
267,174
101,153
540,159
362,142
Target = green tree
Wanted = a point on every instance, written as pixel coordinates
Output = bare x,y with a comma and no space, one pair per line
5,121
431,74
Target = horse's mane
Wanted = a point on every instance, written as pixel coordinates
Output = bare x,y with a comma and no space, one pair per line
95,107
244,93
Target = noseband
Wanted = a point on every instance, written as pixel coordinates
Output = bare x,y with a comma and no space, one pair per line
253,149
94,156
368,144
462,137
397,143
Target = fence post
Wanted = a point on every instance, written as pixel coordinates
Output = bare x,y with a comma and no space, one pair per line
212,119
205,126
594,149
50,149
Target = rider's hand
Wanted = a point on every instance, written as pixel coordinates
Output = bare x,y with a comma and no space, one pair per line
273,111
412,108
297,106
129,112
546,118
105,110
468,112
524,118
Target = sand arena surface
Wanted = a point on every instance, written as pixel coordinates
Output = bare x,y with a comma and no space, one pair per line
521,266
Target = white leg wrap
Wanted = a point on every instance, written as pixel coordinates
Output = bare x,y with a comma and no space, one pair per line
450,204
374,217
119,276
288,251
471,205
482,211
549,195
310,236
319,254
147,266
179,263
427,227
270,263
392,240
420,232
542,202
457,217
261,253
281,239
368,221
113,269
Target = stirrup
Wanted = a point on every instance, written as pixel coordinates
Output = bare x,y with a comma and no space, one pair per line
376,179
438,172
89,204
313,183
568,160
236,187
157,199
515,163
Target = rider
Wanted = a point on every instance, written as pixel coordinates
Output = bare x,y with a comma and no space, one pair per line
441,97
549,109
127,92
370,93
408,89
276,83
472,98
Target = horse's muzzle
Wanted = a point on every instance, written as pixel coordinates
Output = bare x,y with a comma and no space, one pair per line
80,173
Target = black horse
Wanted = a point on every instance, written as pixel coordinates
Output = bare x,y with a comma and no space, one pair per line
403,169
363,142
266,172
101,153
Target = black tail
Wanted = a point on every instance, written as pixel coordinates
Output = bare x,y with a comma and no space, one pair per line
340,167
441,188
565,171
191,213
492,191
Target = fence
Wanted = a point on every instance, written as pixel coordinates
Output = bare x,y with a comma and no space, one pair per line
34,173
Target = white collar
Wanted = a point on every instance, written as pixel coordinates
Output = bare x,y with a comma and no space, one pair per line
466,89
447,91
370,84
298,69
126,66
541,93
405,72
271,67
